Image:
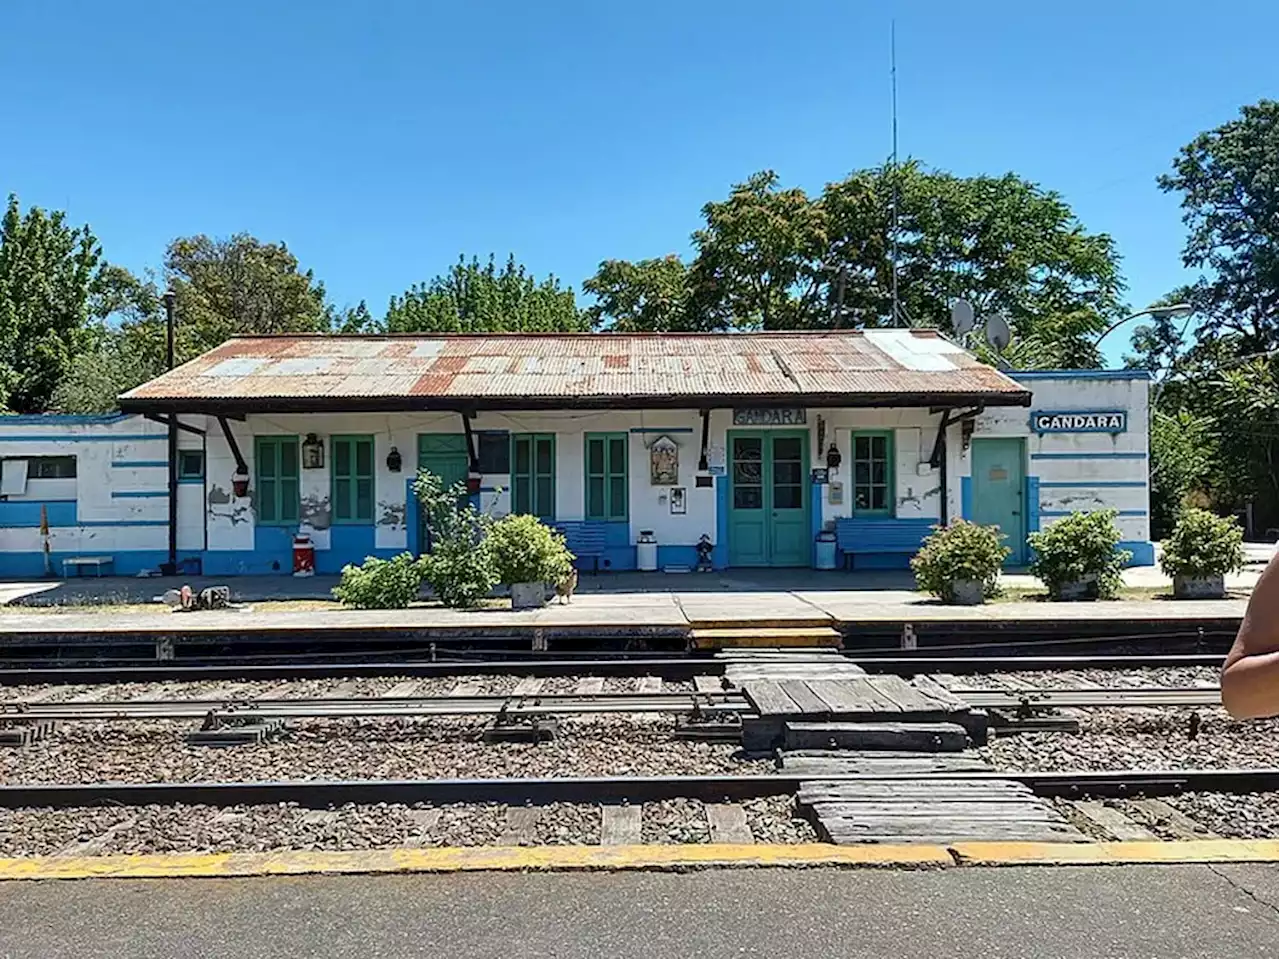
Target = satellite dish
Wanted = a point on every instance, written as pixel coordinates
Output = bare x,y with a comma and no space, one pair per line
961,317
997,331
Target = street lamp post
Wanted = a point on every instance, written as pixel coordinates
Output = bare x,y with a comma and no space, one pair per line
1172,311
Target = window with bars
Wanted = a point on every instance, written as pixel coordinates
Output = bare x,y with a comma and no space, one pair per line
606,486
352,498
275,496
873,473
533,474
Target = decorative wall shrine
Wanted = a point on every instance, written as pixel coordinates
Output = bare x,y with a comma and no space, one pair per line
664,462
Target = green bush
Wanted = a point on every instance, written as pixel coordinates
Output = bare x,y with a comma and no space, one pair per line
1084,547
457,563
961,551
525,550
1203,544
381,583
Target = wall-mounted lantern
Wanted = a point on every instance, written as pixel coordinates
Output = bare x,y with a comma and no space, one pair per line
473,483
833,457
394,461
312,452
240,484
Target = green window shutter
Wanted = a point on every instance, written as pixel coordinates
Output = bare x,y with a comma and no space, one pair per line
606,477
533,474
873,473
276,493
352,479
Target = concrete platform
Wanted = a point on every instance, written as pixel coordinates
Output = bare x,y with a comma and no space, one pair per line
1112,912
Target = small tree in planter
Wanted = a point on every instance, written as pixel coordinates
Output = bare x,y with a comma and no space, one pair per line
1079,557
961,563
528,555
1200,551
457,562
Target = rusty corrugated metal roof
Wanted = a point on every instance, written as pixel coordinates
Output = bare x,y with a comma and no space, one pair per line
313,372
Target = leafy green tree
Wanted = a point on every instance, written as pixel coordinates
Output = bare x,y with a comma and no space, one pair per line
355,319
1183,451
1228,181
51,278
774,258
645,296
240,285
475,298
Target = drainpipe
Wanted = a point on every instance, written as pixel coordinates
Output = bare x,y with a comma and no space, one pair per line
171,567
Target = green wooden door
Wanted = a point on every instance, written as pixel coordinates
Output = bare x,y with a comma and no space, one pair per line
997,491
768,499
444,454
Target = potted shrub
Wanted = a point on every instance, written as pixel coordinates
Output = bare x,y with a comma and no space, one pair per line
1199,552
961,563
527,555
380,583
457,563
1079,557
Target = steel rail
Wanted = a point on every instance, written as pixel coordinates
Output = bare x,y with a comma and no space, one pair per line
322,794
227,709
1095,697
669,667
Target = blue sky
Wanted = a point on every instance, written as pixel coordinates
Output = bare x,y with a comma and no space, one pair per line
381,140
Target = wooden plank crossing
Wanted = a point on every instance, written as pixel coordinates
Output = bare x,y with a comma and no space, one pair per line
924,737
930,811
743,665
858,697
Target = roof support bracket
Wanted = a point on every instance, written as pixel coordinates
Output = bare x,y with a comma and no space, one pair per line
473,461
164,421
241,466
706,425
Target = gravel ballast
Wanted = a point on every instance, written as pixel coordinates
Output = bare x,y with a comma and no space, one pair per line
158,829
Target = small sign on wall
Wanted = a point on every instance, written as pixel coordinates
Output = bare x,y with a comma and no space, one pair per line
835,494
819,476
1084,421
778,417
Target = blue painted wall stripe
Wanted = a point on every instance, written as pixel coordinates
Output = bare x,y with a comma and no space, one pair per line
67,418
815,520
85,438
138,464
662,429
1080,374
191,481
138,493
1090,484
19,514
411,518
1067,512
1088,456
122,522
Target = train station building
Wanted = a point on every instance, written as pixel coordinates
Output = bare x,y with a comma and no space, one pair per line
780,449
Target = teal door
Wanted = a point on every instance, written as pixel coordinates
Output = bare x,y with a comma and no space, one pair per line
444,454
768,499
998,491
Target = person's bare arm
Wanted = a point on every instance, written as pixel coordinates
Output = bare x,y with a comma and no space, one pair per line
1251,674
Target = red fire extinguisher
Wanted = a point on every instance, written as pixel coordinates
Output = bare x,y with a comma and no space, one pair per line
304,556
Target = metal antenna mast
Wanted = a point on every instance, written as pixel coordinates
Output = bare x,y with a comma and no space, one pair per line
893,87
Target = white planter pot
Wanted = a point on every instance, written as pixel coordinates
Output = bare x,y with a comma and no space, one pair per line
1198,587
967,592
528,595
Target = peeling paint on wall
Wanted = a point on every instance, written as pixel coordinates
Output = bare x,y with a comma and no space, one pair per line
235,516
315,512
911,499
218,496
391,514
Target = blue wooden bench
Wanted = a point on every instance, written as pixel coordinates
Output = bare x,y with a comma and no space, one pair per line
864,536
585,539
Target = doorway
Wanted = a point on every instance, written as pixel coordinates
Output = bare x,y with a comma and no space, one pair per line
768,498
445,455
998,491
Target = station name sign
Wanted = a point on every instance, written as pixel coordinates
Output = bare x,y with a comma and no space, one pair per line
1085,421
779,417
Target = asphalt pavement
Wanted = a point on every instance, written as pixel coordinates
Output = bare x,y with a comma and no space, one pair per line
1097,912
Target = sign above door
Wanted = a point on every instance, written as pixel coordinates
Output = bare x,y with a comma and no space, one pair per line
1084,421
770,417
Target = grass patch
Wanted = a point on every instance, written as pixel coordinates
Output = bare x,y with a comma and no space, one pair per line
1038,594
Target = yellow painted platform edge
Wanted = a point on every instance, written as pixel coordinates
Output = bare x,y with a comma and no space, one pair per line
472,859
1132,852
633,858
